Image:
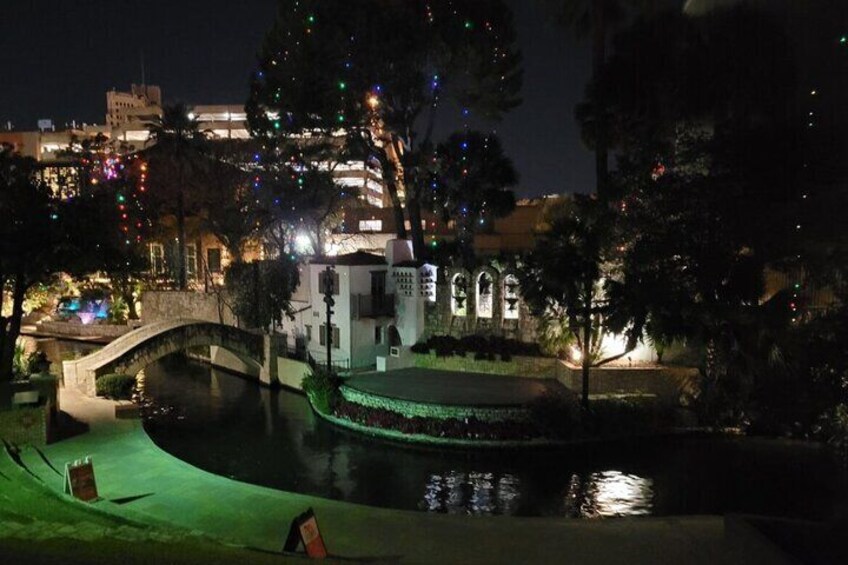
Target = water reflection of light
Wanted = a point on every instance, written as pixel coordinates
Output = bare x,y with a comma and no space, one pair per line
471,493
609,493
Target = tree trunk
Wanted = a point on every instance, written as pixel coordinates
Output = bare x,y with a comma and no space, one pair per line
13,329
599,55
181,240
419,248
390,182
586,360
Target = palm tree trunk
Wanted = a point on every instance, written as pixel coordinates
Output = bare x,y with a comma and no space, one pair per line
181,238
599,55
586,356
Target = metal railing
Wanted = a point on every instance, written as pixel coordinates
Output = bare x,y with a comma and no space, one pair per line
372,305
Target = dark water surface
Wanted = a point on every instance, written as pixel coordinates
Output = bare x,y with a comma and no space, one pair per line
230,426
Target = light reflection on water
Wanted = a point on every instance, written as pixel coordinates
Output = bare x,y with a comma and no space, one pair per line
595,495
231,427
609,493
458,492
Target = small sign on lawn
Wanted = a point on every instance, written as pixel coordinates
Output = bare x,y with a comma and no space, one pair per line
79,480
304,529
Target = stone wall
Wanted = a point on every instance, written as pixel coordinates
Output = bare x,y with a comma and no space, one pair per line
24,425
290,372
441,321
411,409
669,384
83,330
518,366
159,305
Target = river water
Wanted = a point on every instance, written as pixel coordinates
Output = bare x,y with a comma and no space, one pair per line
232,427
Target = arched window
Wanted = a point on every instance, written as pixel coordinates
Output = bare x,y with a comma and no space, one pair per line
459,295
484,295
510,297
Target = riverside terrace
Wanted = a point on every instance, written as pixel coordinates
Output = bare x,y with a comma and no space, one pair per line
168,495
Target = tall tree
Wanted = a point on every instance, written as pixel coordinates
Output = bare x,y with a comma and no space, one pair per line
574,276
378,71
174,150
41,236
469,184
596,18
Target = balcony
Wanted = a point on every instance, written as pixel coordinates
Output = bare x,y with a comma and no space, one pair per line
372,306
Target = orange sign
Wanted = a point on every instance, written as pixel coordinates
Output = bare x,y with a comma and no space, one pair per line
79,480
304,529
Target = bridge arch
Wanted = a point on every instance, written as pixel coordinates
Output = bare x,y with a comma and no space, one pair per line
135,350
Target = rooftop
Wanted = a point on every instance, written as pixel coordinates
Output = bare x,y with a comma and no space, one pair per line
357,259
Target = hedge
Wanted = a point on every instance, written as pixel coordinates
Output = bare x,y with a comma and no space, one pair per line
116,387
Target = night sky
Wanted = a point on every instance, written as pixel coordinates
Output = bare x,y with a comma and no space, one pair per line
59,58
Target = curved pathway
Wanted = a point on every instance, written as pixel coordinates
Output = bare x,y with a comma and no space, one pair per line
128,464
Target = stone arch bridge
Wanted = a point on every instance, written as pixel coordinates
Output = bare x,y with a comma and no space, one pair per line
135,350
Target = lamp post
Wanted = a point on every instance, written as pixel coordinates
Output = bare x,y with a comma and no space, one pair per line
328,299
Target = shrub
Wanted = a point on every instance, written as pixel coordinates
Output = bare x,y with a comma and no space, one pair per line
420,347
322,387
119,311
556,414
623,415
116,387
506,356
480,356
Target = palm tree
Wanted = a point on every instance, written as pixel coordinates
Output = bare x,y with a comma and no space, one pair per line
178,142
597,18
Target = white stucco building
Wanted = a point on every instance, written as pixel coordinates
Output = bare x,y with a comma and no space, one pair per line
378,310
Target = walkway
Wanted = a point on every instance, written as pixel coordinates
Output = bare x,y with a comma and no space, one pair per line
450,387
169,491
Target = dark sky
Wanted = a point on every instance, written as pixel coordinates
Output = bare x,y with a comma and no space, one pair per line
58,58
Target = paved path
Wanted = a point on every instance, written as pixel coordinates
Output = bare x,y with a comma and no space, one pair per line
450,387
170,491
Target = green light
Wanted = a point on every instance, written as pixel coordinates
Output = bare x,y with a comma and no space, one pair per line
277,124
311,19
300,181
843,40
342,85
341,118
468,24
121,198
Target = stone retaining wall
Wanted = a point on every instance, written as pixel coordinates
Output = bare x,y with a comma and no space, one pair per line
668,384
83,330
518,366
411,408
158,305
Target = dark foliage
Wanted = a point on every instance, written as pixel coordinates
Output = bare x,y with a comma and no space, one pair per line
115,387
468,428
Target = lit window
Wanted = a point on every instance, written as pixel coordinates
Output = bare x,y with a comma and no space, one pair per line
484,295
157,258
459,295
510,298
371,225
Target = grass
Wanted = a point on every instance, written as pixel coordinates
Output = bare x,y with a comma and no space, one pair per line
40,526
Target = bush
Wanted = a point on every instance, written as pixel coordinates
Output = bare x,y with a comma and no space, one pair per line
556,414
322,387
623,415
420,347
116,387
483,347
119,311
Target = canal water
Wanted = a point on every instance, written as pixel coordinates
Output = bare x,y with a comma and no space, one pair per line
230,426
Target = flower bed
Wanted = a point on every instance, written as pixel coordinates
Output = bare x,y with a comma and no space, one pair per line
468,428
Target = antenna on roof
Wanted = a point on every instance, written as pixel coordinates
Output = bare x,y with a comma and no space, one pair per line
141,56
